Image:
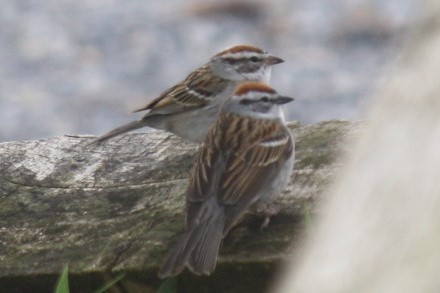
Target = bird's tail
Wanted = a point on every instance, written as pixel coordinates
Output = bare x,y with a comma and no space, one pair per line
198,248
120,130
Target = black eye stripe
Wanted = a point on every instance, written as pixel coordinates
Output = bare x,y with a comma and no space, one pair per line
246,101
242,60
264,99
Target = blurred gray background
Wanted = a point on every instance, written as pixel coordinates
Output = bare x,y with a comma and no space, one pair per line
80,67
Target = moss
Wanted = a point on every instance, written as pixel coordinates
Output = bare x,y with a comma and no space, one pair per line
320,144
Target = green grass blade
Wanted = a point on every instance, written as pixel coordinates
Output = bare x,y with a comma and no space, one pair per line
308,219
110,284
168,286
63,281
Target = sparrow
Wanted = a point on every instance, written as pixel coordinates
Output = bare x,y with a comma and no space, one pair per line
189,108
246,159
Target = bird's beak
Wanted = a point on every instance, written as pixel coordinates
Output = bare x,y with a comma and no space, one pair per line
272,60
283,100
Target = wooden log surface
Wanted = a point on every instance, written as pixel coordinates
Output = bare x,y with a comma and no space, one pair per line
118,207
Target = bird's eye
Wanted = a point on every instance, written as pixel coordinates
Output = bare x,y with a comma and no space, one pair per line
264,99
254,59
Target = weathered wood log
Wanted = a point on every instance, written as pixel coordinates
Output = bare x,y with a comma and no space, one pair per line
118,207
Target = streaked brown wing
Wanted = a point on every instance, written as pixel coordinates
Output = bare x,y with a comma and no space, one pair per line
247,172
195,91
163,100
236,177
205,84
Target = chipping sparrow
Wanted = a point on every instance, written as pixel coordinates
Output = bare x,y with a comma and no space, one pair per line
189,108
247,158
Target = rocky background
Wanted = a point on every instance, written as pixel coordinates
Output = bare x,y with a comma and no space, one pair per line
75,67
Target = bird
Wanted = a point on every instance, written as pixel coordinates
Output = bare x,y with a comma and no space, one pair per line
189,108
247,159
